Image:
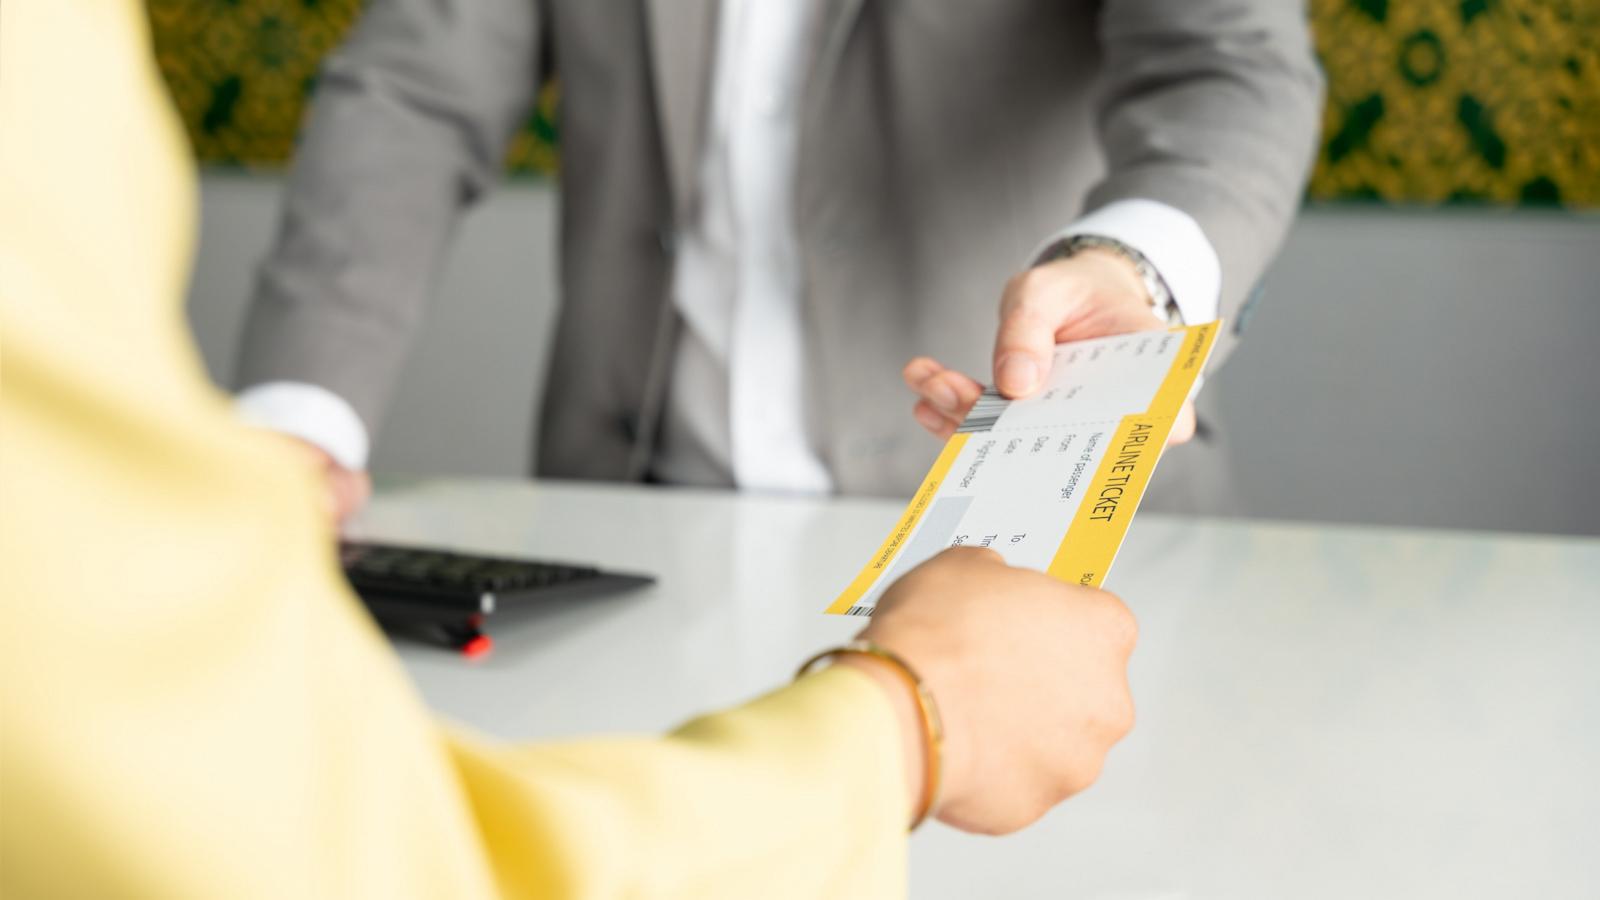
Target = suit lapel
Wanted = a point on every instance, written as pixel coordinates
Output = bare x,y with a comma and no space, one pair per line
838,18
682,46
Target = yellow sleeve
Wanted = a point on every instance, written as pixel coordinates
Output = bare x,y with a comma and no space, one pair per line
746,803
192,705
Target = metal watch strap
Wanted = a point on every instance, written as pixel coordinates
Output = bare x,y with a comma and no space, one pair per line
1155,286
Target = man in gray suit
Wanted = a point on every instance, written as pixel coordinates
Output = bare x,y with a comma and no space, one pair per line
769,205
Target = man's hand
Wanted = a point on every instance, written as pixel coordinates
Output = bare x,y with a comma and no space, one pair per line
1091,294
348,491
1030,675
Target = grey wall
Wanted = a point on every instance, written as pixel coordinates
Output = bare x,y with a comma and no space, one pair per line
1429,368
1423,369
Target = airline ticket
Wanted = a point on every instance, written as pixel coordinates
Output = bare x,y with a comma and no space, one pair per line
1050,481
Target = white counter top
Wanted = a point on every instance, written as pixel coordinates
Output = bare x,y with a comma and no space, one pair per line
1323,711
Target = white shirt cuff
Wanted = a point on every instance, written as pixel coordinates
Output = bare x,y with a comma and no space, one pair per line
1173,243
309,412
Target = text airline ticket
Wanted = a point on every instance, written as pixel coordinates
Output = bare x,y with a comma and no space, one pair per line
1050,481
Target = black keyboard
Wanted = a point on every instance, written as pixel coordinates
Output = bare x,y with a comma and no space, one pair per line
455,591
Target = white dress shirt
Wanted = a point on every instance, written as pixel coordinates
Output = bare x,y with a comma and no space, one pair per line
738,410
737,406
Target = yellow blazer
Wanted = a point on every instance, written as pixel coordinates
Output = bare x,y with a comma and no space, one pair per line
194,705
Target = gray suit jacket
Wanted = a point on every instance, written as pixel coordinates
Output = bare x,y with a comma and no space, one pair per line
941,141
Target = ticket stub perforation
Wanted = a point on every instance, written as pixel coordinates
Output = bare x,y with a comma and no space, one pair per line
1050,481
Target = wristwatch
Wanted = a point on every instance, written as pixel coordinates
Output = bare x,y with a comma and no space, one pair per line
1156,290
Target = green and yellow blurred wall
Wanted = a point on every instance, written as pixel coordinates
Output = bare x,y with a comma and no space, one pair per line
1429,101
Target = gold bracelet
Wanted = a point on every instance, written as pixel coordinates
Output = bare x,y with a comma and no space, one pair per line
932,725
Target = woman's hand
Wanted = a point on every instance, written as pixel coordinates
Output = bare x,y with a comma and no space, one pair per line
1030,676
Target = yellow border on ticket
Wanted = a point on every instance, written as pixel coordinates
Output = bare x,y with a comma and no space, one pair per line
1186,369
908,521
1101,521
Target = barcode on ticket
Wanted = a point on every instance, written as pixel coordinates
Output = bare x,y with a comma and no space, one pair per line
985,413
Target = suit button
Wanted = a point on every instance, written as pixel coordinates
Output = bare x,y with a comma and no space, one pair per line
1248,310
